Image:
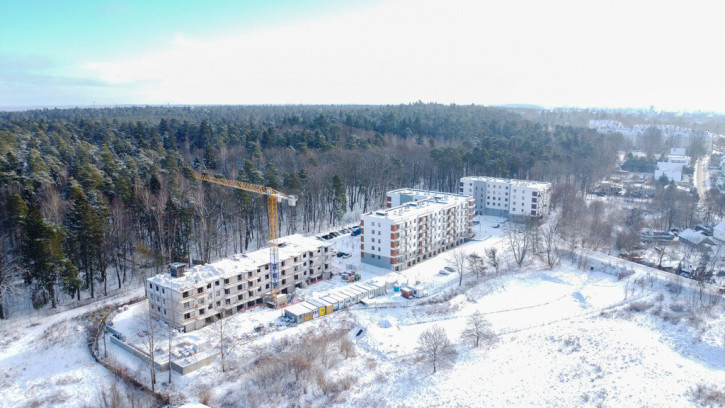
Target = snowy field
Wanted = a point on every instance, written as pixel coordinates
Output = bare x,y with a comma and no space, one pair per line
566,338
48,364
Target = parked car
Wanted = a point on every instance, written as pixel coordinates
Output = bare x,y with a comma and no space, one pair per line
444,272
346,255
497,225
335,234
476,222
450,269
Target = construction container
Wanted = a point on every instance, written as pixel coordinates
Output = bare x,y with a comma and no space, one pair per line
321,307
419,291
334,303
340,299
328,305
406,293
298,313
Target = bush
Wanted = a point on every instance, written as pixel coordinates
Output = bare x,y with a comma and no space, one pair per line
708,396
624,274
677,307
639,307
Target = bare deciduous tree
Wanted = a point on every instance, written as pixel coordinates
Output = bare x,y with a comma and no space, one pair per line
222,335
548,234
519,244
478,330
457,260
477,265
436,347
9,273
492,257
149,331
346,346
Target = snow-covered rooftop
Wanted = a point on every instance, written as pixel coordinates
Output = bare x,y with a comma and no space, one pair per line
720,226
417,208
692,236
513,182
289,246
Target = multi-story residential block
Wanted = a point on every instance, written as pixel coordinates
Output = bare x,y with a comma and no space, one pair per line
203,294
516,199
416,225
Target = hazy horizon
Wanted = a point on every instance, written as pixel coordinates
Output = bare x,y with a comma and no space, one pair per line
594,55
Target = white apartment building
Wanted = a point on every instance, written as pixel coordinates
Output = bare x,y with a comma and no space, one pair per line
416,225
516,199
203,294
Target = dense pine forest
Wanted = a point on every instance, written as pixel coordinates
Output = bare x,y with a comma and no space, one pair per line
94,200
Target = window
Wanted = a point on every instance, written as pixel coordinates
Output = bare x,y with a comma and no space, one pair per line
226,281
186,305
199,290
187,315
208,286
185,294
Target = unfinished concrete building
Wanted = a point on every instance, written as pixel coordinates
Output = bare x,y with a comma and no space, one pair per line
518,200
193,298
417,225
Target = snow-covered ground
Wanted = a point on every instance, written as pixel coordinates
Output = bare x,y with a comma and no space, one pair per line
566,338
48,364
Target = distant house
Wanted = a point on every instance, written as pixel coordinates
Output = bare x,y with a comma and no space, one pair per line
673,171
695,239
718,232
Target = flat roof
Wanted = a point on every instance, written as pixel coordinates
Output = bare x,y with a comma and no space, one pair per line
414,209
297,309
289,247
513,182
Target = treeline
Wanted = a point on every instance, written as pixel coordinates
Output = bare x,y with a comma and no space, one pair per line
89,197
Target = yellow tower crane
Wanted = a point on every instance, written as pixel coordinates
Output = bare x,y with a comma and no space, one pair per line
273,196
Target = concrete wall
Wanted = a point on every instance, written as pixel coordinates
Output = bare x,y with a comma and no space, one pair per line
383,262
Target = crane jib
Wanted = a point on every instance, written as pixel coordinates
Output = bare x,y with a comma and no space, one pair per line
273,197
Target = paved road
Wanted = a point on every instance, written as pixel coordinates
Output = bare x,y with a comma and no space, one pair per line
700,177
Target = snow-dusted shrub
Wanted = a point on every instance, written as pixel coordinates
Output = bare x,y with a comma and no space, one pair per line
624,274
639,307
677,307
708,395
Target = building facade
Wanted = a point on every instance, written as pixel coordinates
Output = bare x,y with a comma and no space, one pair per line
415,226
515,199
203,294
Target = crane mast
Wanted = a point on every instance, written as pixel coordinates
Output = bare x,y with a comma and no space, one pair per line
273,197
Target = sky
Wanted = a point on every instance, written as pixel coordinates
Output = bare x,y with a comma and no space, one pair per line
576,53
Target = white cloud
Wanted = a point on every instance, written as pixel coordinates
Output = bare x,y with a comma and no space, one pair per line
607,53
